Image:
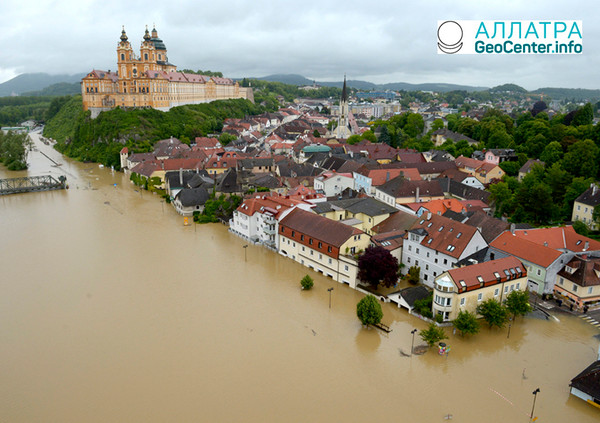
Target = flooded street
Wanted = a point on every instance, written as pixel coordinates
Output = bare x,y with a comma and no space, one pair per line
112,311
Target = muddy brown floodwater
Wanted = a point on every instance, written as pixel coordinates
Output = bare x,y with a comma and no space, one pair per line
112,311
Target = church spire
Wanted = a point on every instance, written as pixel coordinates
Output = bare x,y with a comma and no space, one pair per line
344,91
123,35
147,34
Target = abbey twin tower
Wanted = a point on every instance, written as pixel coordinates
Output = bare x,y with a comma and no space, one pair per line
151,81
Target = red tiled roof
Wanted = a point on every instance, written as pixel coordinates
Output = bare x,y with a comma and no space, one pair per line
381,176
488,272
559,238
444,235
525,249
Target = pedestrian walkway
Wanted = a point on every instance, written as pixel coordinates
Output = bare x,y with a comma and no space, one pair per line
590,320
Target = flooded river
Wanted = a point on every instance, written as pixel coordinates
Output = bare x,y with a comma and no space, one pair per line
112,311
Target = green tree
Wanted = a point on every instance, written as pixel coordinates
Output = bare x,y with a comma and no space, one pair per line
369,311
423,306
466,323
377,265
552,153
433,334
13,150
437,124
582,159
517,303
494,313
307,282
414,275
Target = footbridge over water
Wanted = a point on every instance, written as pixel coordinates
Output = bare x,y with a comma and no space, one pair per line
32,184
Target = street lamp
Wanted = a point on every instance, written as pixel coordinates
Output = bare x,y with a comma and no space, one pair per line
413,341
245,254
533,408
330,289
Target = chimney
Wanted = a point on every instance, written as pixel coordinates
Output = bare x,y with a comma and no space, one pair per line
594,189
586,246
181,176
512,228
417,195
428,215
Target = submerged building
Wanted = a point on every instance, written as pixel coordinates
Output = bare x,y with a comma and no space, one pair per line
151,81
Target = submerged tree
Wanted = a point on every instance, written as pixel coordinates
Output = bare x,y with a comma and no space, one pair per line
517,303
307,282
466,323
494,313
433,334
369,311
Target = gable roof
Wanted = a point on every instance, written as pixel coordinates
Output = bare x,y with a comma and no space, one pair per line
400,187
190,197
444,235
381,176
591,196
318,227
397,221
588,380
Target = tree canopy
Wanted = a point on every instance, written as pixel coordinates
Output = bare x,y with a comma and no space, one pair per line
517,303
368,311
466,323
494,313
433,334
377,265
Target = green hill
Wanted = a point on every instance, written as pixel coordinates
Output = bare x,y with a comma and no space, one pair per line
62,88
101,139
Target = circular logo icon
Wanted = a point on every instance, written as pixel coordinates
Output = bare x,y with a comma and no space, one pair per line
450,35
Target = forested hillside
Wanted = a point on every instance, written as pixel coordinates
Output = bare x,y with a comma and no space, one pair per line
101,139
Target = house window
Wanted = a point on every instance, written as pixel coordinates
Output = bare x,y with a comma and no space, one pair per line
590,290
311,252
303,248
330,261
462,301
539,272
518,285
320,245
445,261
479,296
301,237
310,241
427,254
329,249
435,261
574,288
410,248
416,262
293,233
496,292
425,277
320,256
346,267
561,281
418,250
408,259
506,289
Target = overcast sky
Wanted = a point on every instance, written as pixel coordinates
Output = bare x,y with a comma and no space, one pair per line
379,41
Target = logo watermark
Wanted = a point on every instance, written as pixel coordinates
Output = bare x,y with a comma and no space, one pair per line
509,37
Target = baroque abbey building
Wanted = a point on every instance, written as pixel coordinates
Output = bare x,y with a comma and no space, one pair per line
151,81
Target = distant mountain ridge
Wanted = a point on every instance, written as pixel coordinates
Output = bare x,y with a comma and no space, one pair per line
45,84
28,82
295,79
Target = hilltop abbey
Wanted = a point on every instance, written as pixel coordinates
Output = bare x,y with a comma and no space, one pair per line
151,81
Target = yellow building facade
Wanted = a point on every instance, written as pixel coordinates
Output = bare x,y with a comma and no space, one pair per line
151,81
